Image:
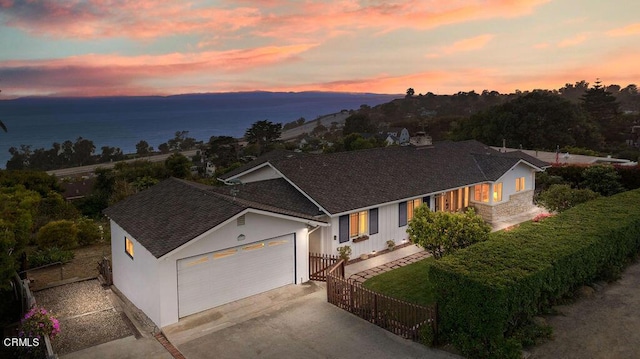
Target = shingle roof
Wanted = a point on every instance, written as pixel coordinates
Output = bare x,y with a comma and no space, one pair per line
345,181
267,157
173,212
275,192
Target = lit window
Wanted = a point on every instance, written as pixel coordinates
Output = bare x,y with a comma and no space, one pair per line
358,224
411,206
520,184
223,254
481,193
128,247
497,192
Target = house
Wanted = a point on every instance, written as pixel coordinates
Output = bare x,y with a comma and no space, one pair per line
181,247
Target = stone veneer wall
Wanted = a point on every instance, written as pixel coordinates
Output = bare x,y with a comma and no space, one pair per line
518,203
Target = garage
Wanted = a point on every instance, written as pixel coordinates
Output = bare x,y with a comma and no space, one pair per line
212,279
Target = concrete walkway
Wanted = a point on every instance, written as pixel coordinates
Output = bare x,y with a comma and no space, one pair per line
385,262
512,221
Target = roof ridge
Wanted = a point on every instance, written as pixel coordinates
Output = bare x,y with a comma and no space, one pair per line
475,160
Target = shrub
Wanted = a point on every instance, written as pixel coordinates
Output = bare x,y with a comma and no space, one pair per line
345,252
441,233
48,256
39,322
487,292
62,234
88,232
560,197
602,179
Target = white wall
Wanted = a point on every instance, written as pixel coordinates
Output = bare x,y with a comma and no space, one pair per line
257,227
387,230
509,180
136,278
261,174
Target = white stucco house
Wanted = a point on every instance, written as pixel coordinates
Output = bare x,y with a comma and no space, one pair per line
180,247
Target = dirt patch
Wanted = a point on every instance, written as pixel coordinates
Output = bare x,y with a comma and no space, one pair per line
83,265
604,325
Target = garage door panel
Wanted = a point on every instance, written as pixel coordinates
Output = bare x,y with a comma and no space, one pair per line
220,277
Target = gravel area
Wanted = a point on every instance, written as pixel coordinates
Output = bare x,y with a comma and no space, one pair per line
74,299
89,330
87,316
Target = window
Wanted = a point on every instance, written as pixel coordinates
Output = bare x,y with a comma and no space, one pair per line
358,224
128,247
481,193
406,210
411,206
520,184
497,192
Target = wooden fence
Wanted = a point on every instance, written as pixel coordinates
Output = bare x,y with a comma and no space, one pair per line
319,265
402,318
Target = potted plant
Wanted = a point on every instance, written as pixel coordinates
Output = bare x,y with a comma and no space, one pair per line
391,244
345,252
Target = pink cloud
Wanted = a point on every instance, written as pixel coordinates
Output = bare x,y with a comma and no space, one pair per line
296,21
464,45
92,74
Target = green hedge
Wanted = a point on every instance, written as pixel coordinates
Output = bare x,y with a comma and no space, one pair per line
485,292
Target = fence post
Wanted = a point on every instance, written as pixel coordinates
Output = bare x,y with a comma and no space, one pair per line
375,308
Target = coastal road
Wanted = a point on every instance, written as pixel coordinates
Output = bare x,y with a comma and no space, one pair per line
325,120
77,171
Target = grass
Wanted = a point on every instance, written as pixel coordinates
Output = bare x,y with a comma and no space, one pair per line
410,283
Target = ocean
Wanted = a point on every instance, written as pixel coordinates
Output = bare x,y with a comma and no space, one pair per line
124,121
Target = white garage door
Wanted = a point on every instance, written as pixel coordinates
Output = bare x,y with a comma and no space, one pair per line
216,278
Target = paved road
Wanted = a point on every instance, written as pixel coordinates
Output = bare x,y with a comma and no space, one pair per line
75,171
325,120
308,327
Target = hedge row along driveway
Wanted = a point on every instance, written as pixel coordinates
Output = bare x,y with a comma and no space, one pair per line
488,290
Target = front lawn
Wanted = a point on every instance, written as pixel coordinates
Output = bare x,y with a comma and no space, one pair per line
410,283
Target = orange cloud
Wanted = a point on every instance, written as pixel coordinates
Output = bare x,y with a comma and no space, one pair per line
573,41
464,45
632,29
298,21
542,45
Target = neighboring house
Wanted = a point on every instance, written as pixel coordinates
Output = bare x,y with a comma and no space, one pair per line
180,247
78,188
404,136
392,140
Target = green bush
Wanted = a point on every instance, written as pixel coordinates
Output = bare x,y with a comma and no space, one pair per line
602,179
88,232
62,234
442,233
487,292
560,197
48,256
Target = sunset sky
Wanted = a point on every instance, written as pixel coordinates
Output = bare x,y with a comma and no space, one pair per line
143,47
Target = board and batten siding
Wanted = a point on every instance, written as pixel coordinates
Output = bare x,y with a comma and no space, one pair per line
388,229
136,278
261,174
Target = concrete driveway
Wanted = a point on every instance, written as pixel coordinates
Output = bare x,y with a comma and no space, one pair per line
297,322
